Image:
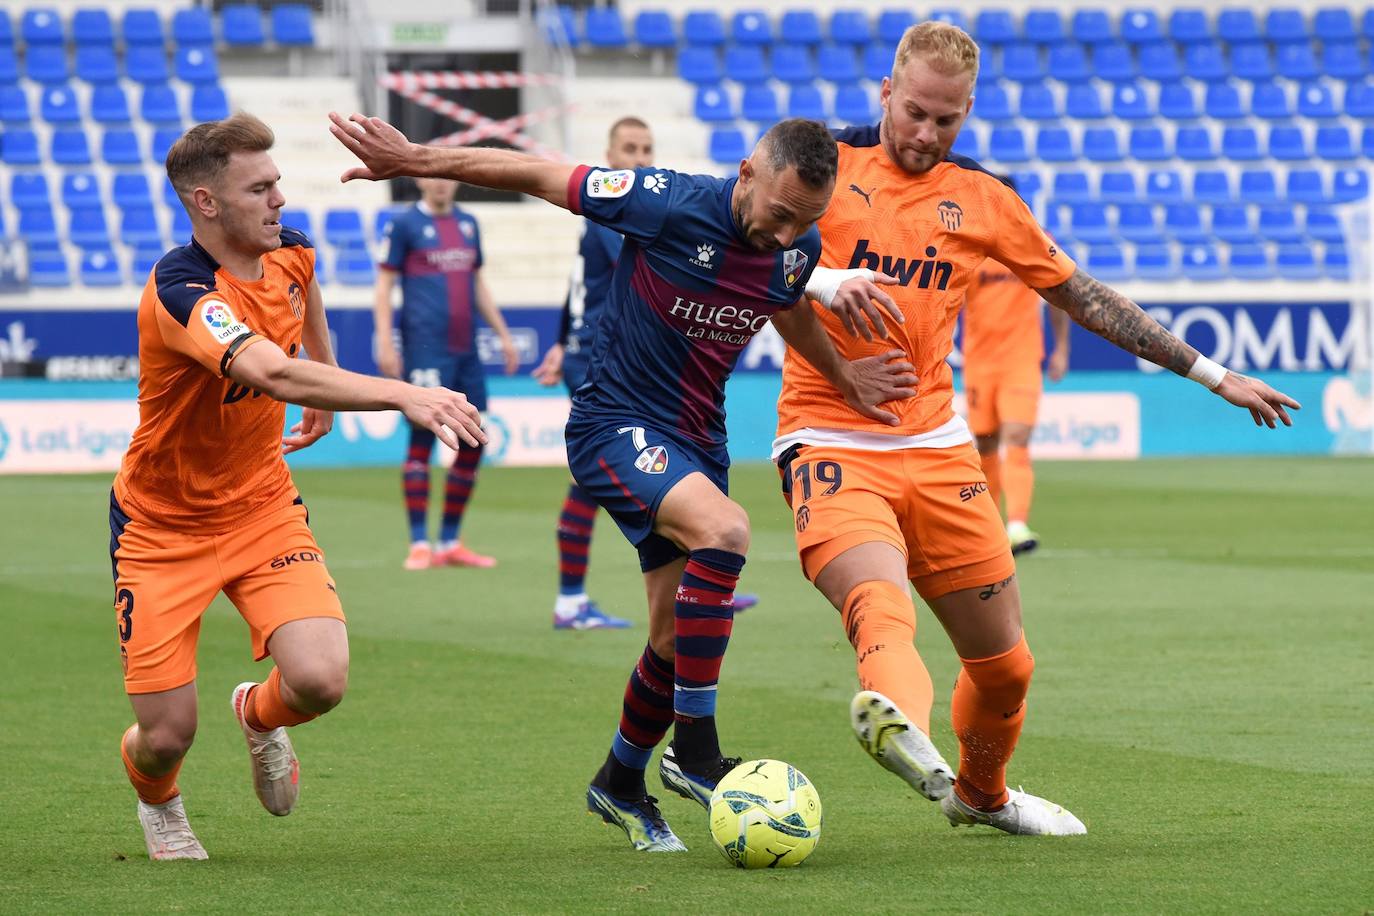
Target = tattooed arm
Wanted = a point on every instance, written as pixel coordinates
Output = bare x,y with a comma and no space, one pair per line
1116,319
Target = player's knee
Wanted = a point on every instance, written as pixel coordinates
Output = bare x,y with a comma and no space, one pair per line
1006,676
663,645
320,688
727,530
988,445
878,610
167,743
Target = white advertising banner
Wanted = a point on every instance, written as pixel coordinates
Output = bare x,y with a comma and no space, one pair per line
1083,425
65,436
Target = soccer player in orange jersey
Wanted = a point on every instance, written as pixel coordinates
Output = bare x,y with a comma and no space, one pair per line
878,506
204,502
1003,348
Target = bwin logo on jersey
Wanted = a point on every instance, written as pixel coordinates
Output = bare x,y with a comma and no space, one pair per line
926,272
704,255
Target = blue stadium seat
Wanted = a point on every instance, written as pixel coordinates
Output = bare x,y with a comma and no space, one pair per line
48,268
700,66
1084,103
792,64
1069,63
100,267
1206,61
1212,186
1137,223
603,28
1088,222
9,66
300,220
877,63
130,189
1164,186
1155,262
1315,100
1323,225
1223,103
727,146
46,64
1023,63
1114,62
1054,144
1349,184
893,23
1200,261
1071,187
1237,25
86,228
109,105
1285,25
42,27
1043,26
1298,62
197,64
989,69
1141,27
1107,261
92,28
1367,142
951,15
1296,261
343,226
1252,62
119,146
1259,186
994,27
97,65
192,26
1344,61
1177,102
855,105
751,27
1101,144
837,63
1148,144
1240,143
80,189
144,259
209,103
703,28
146,64
1160,62
58,106
355,266
1287,144
6,28
993,104
1336,262
1130,102
1306,186
1028,183
1250,261
1279,224
70,147
800,27
1008,144
1269,100
170,198
163,138
759,104
1334,143
1118,186
558,26
159,105
850,27
805,101
29,189
713,104
38,226
142,27
1091,26
292,24
241,25
1189,26
1333,24
969,143
1039,103
746,64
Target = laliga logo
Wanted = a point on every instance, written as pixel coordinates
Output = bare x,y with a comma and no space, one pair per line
217,316
4,441
498,438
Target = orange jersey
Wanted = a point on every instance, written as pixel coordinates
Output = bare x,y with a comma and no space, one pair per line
1001,320
931,231
207,451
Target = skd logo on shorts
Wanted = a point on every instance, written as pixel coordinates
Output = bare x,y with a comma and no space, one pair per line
653,460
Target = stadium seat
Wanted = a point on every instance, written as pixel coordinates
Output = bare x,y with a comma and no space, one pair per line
792,64
1189,26
131,189
197,64
343,226
1335,144
877,64
800,27
746,64
1071,187
1252,62
299,220
969,143
1259,186
713,105
1222,102
1206,62
893,23
1054,144
86,228
47,65
159,105
1160,62
989,69
48,268
1163,186
1306,186
1101,144
142,27
146,64
1349,184
1142,27
1043,26
1287,144
1285,25
1137,223
96,65
1184,223
40,27
1231,224
292,24
1177,102
70,147
727,146
1084,103
1333,24
952,15
1069,63
9,66
1240,144
1113,62
850,27
1344,61
1008,144
1336,262
1269,100
1088,222
169,194
759,104
1023,63
1297,62
1107,261
1130,102
92,28
703,28
1091,26
1279,224
837,63
19,146
557,24
1296,261
751,27
1028,184
993,104
1039,103
1155,262
241,25
100,267
1148,144
29,189
181,227
355,266
1316,101
192,26
37,226
119,146
1367,142
994,27
80,189
700,66
1118,186
1323,226
603,28
1249,261
1212,186
1237,25
144,259
209,103
855,105
58,106
163,138
805,101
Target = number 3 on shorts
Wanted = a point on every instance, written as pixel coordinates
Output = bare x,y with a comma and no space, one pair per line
828,473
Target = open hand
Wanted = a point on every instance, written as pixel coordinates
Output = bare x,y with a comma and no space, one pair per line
876,380
384,150
447,414
853,304
315,424
1264,403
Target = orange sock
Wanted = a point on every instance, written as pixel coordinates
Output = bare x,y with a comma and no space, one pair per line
988,709
153,790
1019,480
265,709
992,470
881,622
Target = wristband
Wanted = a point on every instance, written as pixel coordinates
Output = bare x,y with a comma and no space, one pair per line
1208,373
825,282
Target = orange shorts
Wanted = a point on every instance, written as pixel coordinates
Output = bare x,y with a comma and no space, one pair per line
270,567
932,504
998,395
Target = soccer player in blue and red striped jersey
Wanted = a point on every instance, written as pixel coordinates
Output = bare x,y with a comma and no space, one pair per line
435,249
706,263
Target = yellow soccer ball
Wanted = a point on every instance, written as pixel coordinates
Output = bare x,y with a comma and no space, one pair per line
765,814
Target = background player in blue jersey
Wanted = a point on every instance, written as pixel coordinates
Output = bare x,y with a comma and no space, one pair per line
706,263
435,249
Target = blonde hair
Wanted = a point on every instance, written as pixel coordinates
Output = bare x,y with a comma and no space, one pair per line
202,153
947,48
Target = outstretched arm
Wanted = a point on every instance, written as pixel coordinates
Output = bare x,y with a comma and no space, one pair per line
1114,318
386,153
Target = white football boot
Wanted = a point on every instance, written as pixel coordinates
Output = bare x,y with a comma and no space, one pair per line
167,832
900,747
1023,814
1022,538
276,771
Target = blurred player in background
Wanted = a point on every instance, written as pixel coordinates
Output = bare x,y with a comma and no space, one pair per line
630,146
1004,345
435,249
204,501
880,506
706,264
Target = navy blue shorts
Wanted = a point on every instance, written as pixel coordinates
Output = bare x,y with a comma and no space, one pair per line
456,371
628,467
575,366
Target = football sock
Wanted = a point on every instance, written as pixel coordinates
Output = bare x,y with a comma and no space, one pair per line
415,481
988,709
880,619
575,541
992,470
1019,480
645,714
152,790
462,477
266,709
703,616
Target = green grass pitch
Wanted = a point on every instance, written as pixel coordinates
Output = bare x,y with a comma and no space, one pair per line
1204,700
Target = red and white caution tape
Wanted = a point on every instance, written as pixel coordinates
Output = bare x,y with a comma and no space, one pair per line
473,79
